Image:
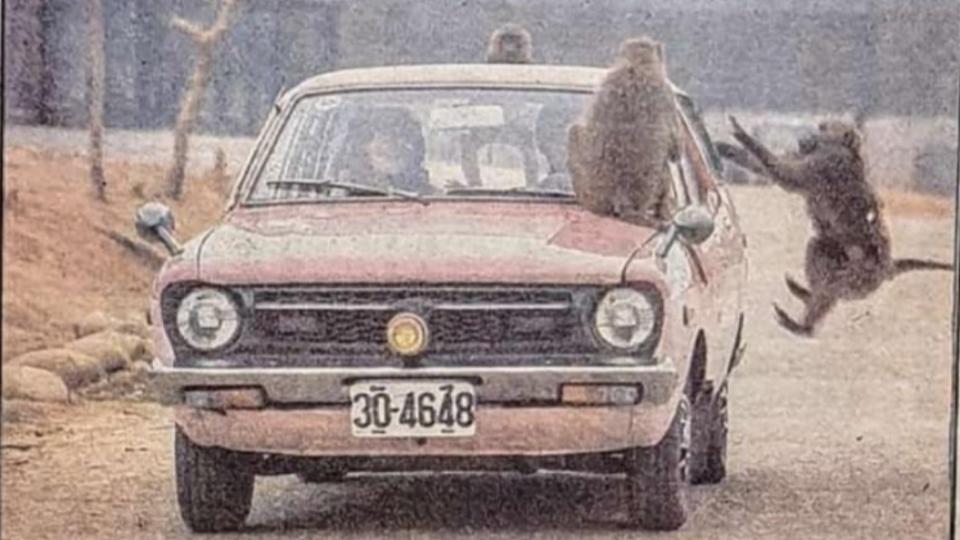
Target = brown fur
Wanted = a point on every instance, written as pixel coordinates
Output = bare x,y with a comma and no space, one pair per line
510,44
848,258
619,151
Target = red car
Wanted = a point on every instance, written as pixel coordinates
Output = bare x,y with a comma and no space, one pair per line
403,280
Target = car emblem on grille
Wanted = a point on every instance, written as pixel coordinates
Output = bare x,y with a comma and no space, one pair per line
407,334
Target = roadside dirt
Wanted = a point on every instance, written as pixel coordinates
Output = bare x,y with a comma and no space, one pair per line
57,266
841,436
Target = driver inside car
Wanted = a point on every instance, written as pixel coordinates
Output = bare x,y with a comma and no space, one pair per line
387,151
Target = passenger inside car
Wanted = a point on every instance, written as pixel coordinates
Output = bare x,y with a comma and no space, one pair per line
493,142
553,121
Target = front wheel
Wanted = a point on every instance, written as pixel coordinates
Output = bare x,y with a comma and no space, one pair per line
708,459
214,489
657,476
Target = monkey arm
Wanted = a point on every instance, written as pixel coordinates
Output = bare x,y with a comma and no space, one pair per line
787,173
741,157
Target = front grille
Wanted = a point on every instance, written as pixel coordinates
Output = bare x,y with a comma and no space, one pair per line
348,297
464,322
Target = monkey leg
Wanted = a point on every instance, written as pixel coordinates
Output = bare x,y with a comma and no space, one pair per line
787,322
798,290
817,308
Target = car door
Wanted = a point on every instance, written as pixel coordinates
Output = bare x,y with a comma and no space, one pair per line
723,253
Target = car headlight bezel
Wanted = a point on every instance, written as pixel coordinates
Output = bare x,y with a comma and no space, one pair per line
614,303
207,318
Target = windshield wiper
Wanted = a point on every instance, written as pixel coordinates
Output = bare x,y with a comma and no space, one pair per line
520,190
353,188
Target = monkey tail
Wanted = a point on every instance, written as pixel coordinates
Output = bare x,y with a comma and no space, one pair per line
906,265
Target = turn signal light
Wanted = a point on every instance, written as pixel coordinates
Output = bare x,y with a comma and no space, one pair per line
601,394
228,398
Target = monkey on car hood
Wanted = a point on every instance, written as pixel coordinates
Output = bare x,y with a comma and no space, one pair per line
619,151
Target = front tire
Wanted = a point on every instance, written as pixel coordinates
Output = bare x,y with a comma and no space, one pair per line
657,476
214,490
708,459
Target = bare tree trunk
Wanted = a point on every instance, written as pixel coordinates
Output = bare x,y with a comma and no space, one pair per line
205,40
95,81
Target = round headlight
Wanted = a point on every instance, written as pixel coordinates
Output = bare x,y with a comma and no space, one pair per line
625,318
207,319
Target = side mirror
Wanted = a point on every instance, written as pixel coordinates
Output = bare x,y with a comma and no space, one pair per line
154,221
692,224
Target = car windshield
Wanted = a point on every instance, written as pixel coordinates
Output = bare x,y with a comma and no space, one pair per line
422,143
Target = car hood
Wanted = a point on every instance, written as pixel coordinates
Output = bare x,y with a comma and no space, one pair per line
412,242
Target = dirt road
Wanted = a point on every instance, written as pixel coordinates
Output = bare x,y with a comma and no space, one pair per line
842,436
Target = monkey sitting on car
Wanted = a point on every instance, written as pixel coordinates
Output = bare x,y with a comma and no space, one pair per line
509,44
619,151
848,258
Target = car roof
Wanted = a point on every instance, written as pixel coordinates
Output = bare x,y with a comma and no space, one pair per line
521,76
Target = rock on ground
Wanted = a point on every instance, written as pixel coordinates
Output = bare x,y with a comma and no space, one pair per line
127,385
18,410
112,349
73,367
98,321
25,382
137,348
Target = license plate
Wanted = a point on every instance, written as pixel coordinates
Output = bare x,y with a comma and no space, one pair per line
413,409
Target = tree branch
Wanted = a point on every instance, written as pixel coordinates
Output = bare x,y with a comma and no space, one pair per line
222,22
192,100
187,27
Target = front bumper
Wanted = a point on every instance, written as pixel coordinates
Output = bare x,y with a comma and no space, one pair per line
519,411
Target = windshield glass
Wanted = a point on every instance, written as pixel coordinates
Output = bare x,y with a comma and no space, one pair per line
422,143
